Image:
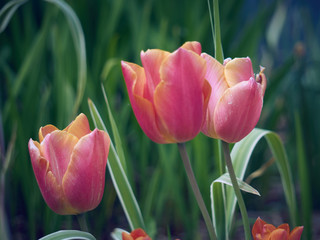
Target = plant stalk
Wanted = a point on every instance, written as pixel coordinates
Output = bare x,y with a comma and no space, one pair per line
237,192
217,34
82,222
196,191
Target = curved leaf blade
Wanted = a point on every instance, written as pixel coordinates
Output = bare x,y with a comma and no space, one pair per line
119,178
80,47
68,234
240,156
225,179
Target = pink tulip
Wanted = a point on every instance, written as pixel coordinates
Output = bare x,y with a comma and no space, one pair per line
236,101
169,94
70,165
264,231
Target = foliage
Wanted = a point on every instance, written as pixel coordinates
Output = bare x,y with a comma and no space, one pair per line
55,56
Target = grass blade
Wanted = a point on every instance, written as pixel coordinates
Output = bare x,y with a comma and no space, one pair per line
218,210
119,179
79,42
218,195
303,172
115,132
11,7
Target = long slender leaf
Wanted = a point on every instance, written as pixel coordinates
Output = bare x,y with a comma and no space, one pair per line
79,42
117,234
68,234
218,210
119,179
10,8
241,154
225,179
115,132
303,171
218,195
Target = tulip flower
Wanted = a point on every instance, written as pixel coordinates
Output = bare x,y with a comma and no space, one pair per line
264,231
236,101
70,165
169,94
137,234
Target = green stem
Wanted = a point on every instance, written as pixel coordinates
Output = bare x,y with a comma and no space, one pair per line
82,222
196,191
237,192
217,36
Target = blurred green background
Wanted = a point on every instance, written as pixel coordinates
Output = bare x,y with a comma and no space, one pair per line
50,64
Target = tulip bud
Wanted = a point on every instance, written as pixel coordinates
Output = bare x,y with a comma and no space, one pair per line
137,234
169,94
262,230
70,165
236,101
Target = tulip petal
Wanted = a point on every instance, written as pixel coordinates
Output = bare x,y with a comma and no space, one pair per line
215,77
259,232
57,148
79,127
135,79
138,233
142,107
193,46
179,99
238,111
84,180
49,186
151,61
285,226
296,233
126,236
278,234
238,70
43,131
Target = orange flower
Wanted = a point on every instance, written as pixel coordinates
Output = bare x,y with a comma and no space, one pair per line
264,231
137,234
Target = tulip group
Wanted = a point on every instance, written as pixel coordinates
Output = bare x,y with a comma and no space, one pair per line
236,101
69,166
169,94
175,95
264,231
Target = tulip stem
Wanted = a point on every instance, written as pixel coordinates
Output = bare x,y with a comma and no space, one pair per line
217,34
196,191
237,192
82,222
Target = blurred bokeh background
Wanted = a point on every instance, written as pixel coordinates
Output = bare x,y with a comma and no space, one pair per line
52,60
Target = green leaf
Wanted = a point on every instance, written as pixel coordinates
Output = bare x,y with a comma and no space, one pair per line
80,47
119,179
218,210
217,201
240,156
225,179
115,132
117,234
9,9
303,171
68,234
218,195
